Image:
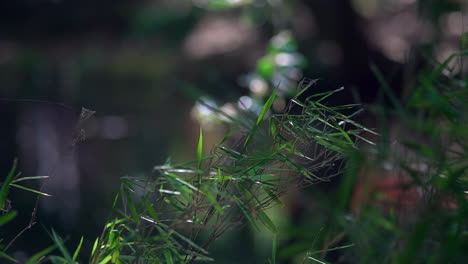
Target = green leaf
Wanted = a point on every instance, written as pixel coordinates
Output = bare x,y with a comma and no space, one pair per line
151,211
242,206
266,221
95,245
200,149
7,217
168,257
177,178
260,117
36,257
187,240
4,255
106,259
29,189
386,87
6,185
274,248
331,249
213,201
60,244
30,178
78,249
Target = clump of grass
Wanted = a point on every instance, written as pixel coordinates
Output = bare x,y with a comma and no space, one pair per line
177,212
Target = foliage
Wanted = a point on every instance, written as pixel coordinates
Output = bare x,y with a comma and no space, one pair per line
178,211
175,214
7,214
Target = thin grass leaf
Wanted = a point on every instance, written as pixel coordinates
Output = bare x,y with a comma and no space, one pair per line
60,244
36,257
106,259
185,239
273,196
95,245
241,205
177,178
260,117
4,219
386,87
266,221
274,248
151,211
6,185
200,149
29,178
5,256
168,257
328,94
213,201
29,189
318,261
57,260
332,249
78,249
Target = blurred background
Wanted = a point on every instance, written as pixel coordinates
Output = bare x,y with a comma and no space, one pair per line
141,65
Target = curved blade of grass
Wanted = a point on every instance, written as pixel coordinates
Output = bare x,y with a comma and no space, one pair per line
95,245
59,242
78,249
200,149
29,189
6,185
187,240
241,205
7,217
304,85
4,255
35,258
212,198
274,248
266,221
260,117
106,259
332,249
168,257
386,87
29,178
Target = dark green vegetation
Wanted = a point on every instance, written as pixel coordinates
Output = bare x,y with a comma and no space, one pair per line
318,181
175,214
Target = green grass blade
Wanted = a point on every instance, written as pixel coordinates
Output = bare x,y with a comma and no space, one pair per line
241,205
29,189
78,249
332,249
29,178
266,221
168,257
7,217
106,259
95,245
386,87
274,248
5,256
60,244
6,185
36,257
260,117
200,149
305,86
212,198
